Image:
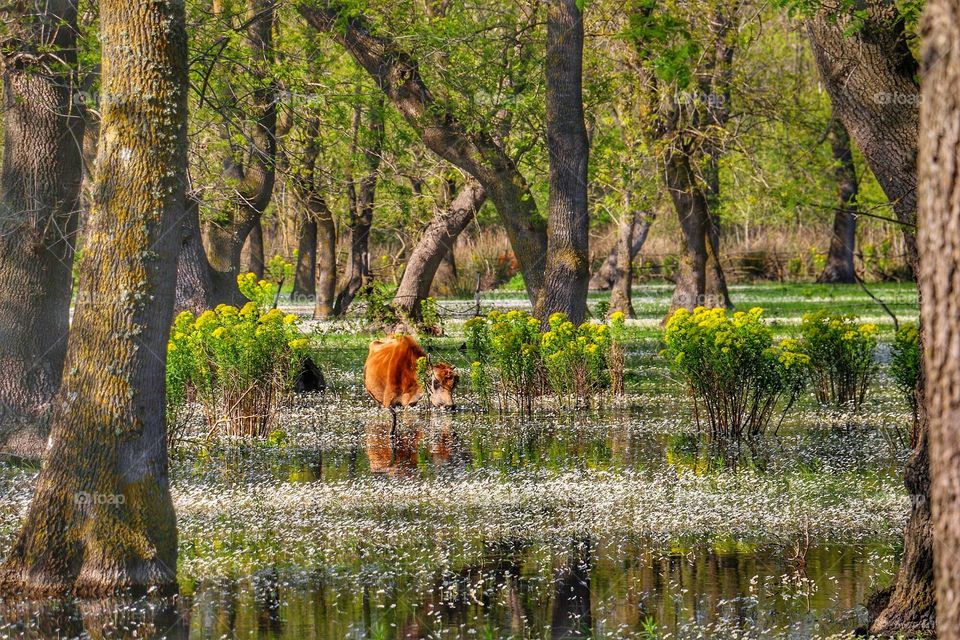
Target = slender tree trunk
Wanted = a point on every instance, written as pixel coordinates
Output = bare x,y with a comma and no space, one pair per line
361,209
605,276
475,152
305,278
700,279
939,277
251,256
437,240
194,284
839,267
568,251
621,292
326,261
871,77
102,519
39,199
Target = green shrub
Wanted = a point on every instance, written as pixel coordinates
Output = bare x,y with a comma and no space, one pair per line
508,343
379,310
841,353
905,362
734,369
235,362
515,363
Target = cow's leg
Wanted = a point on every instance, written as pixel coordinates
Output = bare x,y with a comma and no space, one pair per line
393,423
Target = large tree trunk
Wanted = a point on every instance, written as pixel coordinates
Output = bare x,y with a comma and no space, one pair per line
102,519
475,152
437,241
939,277
568,252
362,198
39,199
871,76
700,280
839,267
605,276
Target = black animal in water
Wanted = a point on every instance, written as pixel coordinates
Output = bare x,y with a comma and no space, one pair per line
309,378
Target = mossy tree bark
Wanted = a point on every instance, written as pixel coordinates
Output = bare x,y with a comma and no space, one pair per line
102,519
194,279
436,242
938,242
474,151
39,200
839,267
368,142
568,251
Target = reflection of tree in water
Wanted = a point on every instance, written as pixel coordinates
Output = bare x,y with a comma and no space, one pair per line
266,596
142,618
572,616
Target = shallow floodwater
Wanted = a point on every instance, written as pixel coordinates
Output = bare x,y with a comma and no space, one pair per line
608,525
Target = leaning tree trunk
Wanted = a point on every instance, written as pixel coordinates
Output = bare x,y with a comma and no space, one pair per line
39,199
568,251
939,275
871,77
102,519
437,241
361,209
475,152
839,267
605,276
696,282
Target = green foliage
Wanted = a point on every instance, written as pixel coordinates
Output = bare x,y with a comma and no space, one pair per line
234,362
842,359
733,368
575,358
905,362
378,304
431,322
515,362
508,343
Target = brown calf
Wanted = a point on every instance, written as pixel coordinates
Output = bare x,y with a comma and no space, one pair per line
390,374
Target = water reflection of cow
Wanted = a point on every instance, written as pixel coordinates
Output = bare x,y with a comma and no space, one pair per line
390,375
394,449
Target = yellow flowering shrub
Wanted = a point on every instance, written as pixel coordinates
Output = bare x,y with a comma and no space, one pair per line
514,362
235,361
841,352
736,372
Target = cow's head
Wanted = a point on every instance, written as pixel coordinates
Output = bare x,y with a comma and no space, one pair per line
442,383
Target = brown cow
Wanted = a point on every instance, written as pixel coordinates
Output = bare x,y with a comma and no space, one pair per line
390,374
